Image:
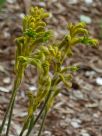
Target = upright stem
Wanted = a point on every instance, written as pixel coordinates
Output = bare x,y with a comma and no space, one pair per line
25,126
9,107
28,123
42,124
40,113
10,115
31,122
5,117
11,103
16,86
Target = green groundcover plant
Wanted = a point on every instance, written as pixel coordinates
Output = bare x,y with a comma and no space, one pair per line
36,47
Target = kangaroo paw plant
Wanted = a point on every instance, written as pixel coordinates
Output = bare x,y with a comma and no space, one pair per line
35,47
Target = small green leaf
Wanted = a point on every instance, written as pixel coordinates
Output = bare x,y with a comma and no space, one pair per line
88,41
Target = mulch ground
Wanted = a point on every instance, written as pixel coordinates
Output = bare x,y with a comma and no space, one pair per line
77,112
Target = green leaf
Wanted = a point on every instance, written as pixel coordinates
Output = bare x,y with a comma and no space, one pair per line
88,41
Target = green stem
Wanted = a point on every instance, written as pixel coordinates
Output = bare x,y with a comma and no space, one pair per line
25,126
5,117
9,107
40,113
42,124
16,86
11,103
31,122
10,115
